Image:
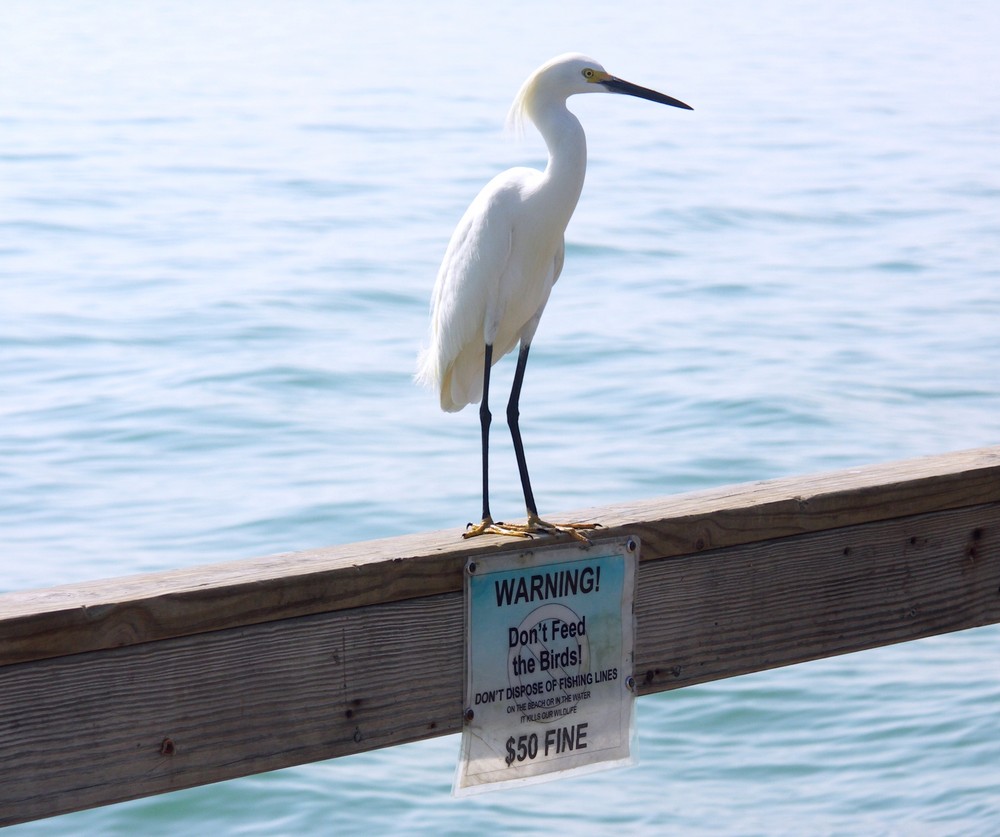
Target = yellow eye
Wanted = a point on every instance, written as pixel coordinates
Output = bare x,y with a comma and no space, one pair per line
588,73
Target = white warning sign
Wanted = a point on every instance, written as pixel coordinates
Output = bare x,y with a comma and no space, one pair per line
549,653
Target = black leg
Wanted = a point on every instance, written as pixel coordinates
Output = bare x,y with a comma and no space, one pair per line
484,419
513,414
535,525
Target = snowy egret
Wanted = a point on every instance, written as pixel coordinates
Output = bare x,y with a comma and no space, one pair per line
503,259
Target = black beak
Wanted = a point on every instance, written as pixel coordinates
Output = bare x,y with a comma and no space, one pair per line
617,85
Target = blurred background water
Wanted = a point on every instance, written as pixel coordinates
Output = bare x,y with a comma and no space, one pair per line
219,228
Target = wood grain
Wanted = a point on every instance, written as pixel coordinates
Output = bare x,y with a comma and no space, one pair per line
741,609
104,727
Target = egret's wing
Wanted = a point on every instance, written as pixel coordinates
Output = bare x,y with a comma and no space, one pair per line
528,331
560,258
474,264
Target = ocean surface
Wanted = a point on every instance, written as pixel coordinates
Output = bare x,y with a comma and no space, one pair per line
219,228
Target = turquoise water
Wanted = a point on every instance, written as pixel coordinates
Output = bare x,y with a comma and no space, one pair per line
219,227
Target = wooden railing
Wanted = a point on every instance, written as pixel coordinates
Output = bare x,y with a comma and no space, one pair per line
118,689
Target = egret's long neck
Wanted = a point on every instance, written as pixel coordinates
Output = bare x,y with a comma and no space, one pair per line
562,181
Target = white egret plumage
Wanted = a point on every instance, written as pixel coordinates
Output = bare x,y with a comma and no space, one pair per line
503,259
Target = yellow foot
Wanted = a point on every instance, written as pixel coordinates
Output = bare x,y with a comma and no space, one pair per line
488,527
534,526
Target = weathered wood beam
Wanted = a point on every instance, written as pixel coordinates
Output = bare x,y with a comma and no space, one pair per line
143,608
120,689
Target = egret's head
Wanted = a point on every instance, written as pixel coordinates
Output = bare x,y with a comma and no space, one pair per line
566,75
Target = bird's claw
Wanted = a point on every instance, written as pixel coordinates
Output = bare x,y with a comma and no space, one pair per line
533,528
488,527
538,526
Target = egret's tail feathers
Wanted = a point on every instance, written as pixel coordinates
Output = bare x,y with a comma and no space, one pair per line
430,374
462,379
458,383
427,371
